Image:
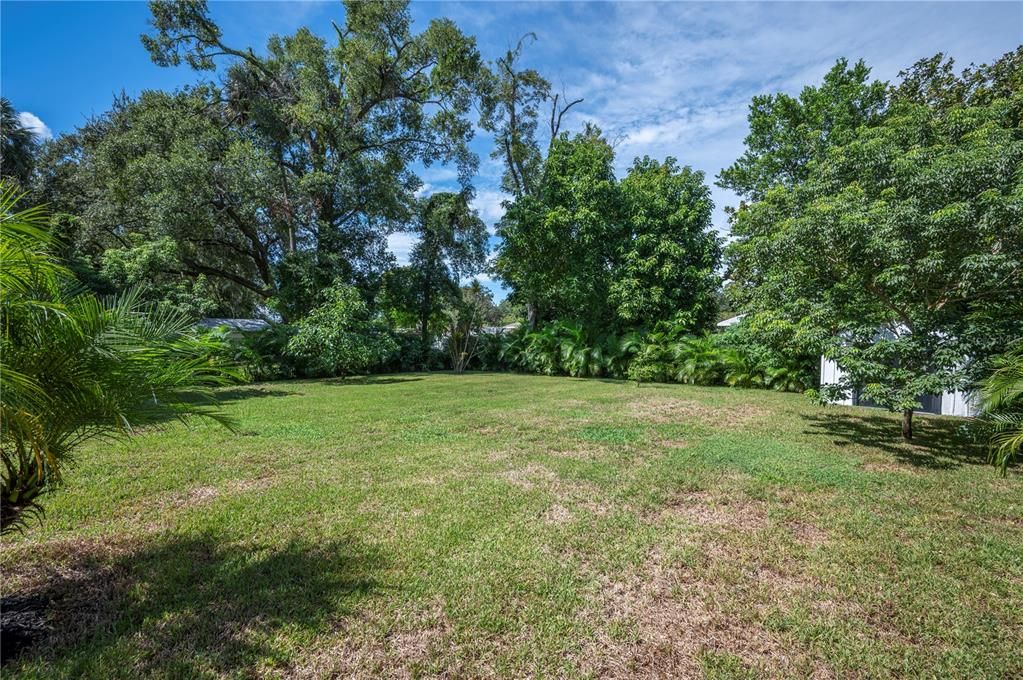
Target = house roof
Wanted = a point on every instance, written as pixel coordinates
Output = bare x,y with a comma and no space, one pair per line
731,321
243,325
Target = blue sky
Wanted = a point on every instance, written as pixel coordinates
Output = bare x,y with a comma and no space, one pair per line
660,78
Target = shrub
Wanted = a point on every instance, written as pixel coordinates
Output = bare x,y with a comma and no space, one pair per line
1002,403
341,337
77,368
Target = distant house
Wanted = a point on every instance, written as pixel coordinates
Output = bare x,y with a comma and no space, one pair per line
730,321
500,330
955,403
236,325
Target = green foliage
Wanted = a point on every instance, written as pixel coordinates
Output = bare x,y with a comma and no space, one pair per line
341,336
667,257
452,245
466,316
17,146
287,175
611,255
77,368
1002,403
894,246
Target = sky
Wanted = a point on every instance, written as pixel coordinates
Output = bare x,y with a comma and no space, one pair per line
661,79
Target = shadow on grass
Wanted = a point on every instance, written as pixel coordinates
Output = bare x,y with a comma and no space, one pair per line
938,443
186,607
371,380
233,394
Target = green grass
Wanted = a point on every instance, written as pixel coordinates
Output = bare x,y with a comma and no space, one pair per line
504,525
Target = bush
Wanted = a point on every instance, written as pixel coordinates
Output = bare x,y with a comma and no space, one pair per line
76,368
341,337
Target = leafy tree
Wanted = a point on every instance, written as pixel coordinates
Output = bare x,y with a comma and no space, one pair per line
17,145
897,251
342,336
466,316
76,368
667,262
558,246
162,190
787,133
289,174
452,246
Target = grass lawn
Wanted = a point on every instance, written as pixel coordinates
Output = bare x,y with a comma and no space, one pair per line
511,526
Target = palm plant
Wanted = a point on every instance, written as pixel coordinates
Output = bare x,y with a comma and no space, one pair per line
698,361
542,353
75,368
741,370
1002,405
580,357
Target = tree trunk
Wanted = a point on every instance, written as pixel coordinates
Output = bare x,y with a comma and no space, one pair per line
532,316
907,424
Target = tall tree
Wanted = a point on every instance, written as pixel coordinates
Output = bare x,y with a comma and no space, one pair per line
558,246
290,174
665,270
17,145
898,251
786,133
512,103
451,246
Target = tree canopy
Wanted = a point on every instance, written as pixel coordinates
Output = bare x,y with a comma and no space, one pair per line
899,249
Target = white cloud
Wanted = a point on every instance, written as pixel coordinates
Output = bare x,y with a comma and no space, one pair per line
488,203
401,244
36,125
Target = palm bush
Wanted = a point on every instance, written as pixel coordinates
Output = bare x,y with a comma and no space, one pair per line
699,361
76,368
1002,406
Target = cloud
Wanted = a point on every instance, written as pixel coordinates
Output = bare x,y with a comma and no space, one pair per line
401,244
36,125
488,203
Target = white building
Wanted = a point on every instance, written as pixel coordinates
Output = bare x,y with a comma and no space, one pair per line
947,404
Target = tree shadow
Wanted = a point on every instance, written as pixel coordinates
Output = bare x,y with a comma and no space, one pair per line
371,380
233,394
188,606
939,443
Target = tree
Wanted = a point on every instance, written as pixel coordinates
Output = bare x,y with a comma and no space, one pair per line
17,145
341,336
511,103
787,133
76,368
466,315
558,247
899,250
452,246
666,268
290,174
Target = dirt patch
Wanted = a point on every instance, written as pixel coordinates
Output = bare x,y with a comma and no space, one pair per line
673,443
657,621
530,476
671,410
200,495
248,485
557,514
370,646
807,534
705,508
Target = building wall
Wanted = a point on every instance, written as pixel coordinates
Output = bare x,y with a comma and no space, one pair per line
956,403
831,373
